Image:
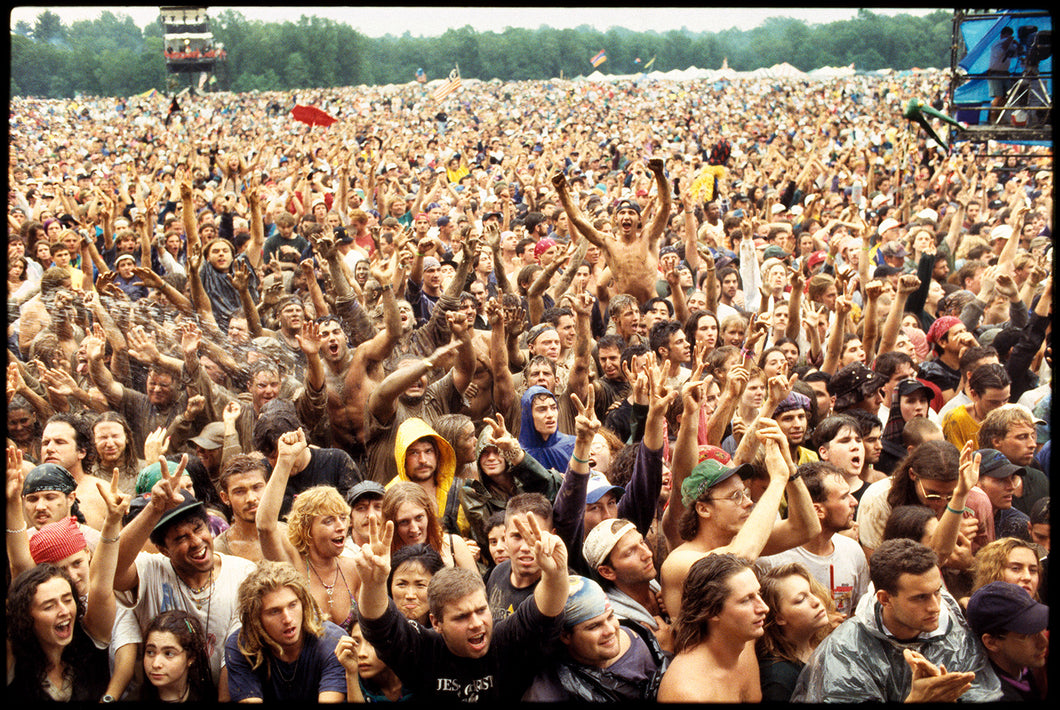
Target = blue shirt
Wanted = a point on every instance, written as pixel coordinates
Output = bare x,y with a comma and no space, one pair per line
316,670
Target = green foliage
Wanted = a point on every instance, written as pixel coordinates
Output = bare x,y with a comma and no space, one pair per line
111,56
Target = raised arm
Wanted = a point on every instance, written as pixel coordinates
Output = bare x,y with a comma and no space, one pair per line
576,259
578,379
372,560
944,541
535,302
801,523
164,495
257,229
575,215
754,534
735,382
17,540
275,546
503,384
834,345
873,289
550,554
685,455
101,607
662,215
381,401
464,367
98,372
795,304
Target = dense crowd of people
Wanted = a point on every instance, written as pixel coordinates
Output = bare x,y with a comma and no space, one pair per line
694,391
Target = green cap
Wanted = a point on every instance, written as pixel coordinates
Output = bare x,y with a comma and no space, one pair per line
708,473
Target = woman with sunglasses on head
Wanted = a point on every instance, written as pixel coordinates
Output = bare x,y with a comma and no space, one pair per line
929,475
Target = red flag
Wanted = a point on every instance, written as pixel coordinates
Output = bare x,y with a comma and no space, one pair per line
312,116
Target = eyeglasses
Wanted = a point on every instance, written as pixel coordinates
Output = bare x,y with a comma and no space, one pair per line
737,497
932,497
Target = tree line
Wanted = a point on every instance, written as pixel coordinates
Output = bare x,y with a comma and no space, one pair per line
111,56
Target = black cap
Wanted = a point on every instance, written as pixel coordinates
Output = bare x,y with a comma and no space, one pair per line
1003,606
996,465
631,204
173,515
908,386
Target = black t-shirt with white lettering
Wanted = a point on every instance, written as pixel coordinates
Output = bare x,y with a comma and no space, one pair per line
519,649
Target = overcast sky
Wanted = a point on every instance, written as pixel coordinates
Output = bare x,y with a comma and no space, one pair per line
433,21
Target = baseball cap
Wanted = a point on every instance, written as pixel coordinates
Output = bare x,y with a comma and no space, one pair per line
709,472
1001,231
775,252
885,270
928,214
894,249
627,204
1003,606
996,465
599,486
601,540
910,385
815,258
211,437
362,489
888,223
188,506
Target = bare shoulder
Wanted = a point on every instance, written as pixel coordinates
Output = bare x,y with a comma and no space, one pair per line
684,680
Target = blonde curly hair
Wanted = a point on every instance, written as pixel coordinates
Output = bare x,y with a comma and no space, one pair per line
309,504
267,578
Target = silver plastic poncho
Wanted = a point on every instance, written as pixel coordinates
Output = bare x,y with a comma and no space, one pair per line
859,662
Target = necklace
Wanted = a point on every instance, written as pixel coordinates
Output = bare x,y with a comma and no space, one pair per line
208,601
329,588
279,670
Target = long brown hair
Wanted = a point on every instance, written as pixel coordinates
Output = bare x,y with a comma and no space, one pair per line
934,460
409,492
773,643
703,595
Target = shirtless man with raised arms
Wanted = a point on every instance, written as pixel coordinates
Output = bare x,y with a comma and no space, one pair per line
632,256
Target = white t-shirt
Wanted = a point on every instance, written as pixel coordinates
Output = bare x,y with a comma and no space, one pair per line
161,590
845,572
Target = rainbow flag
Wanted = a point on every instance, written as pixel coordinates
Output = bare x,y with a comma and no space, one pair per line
599,59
